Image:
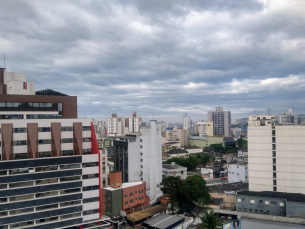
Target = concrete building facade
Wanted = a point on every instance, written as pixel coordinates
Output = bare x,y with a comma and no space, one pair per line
238,172
275,155
221,121
139,157
288,118
120,126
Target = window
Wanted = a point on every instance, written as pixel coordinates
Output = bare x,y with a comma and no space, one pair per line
23,197
44,129
3,214
3,173
20,156
126,202
89,200
274,160
20,171
274,175
273,147
66,128
19,130
239,200
20,143
67,191
70,203
243,200
252,201
44,154
21,225
274,182
46,220
273,153
250,210
44,141
86,128
261,212
245,209
23,210
141,198
282,204
86,151
274,189
131,194
46,168
126,195
41,208
59,106
273,202
90,176
273,139
273,132
89,212
89,188
73,215
260,201
45,194
21,184
70,166
90,164
86,139
266,202
47,181
141,191
66,152
67,140
255,210
131,201
274,167
267,212
66,179
3,186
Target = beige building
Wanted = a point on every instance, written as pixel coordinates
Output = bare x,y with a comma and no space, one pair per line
120,126
177,135
275,155
205,128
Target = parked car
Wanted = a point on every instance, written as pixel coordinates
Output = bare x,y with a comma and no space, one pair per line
224,178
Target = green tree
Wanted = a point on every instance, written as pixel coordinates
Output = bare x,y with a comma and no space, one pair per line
194,193
218,148
230,149
189,161
171,186
209,220
204,159
223,161
241,143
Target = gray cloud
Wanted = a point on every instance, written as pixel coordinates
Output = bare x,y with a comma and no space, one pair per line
161,57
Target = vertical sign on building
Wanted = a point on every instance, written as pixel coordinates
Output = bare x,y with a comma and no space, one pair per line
25,85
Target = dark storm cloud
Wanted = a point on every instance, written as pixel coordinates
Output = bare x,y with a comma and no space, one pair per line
160,57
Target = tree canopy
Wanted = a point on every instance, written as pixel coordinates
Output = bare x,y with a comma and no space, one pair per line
210,220
242,143
189,161
193,193
187,194
218,148
171,186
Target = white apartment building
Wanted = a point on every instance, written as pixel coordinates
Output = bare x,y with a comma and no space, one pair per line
275,155
120,126
174,170
139,157
177,135
238,172
288,117
221,121
186,122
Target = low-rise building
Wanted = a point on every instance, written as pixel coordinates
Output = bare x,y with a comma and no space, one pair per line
128,197
174,170
271,203
229,157
193,149
238,172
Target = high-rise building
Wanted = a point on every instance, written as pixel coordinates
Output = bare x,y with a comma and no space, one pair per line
139,157
186,122
204,128
221,121
276,155
50,164
288,117
120,126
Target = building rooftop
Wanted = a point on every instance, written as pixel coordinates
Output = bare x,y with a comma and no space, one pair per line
170,166
197,138
229,188
192,147
148,212
125,185
294,197
177,151
164,221
216,201
49,92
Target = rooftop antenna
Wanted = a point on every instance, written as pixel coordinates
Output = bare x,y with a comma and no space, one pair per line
4,61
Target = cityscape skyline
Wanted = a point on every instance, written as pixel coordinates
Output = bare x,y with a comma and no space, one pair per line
161,59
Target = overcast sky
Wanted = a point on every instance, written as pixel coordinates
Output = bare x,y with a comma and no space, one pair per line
161,57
